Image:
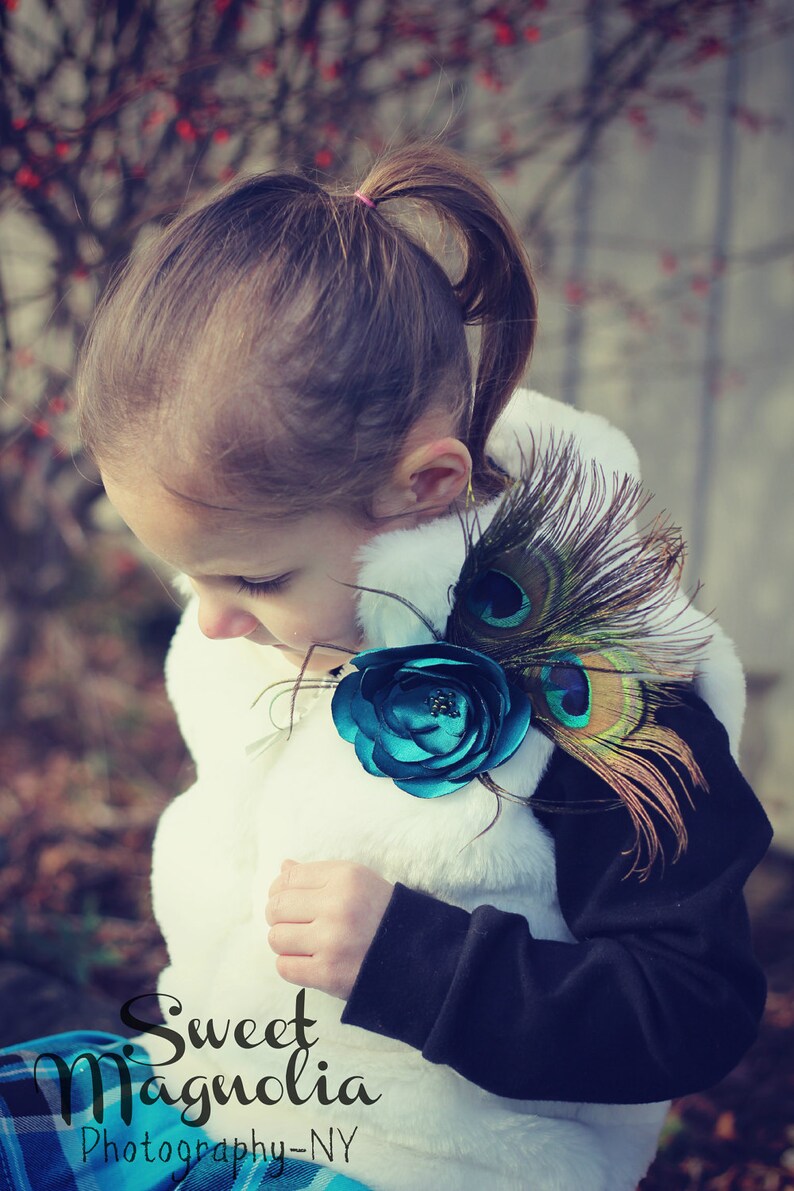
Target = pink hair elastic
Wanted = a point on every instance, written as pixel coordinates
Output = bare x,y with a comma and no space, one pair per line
365,199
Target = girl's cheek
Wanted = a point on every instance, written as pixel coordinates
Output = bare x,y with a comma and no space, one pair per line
291,631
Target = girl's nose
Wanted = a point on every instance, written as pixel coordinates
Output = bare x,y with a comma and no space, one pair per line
218,620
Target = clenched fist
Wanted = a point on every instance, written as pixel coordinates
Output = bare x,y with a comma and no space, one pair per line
323,917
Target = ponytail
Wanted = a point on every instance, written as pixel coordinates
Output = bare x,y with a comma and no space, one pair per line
496,291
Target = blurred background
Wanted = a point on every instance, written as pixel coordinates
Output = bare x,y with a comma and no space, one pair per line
644,149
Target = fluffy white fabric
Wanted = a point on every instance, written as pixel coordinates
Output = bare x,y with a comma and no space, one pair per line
220,845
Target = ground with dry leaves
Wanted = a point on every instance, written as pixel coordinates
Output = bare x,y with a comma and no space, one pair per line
83,779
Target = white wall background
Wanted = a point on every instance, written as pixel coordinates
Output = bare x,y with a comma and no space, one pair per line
650,381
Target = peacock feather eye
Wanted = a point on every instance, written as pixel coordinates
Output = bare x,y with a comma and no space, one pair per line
498,600
566,687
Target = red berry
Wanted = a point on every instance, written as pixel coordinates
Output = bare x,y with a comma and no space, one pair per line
185,130
488,80
709,47
574,292
505,34
126,564
331,71
26,178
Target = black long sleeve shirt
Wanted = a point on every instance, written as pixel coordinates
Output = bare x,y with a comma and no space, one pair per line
660,995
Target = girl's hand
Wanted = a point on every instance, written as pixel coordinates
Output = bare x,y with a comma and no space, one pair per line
323,917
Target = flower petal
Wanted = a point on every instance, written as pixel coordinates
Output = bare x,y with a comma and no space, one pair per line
391,766
341,707
364,751
402,748
433,787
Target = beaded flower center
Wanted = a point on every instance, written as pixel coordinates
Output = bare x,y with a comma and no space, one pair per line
443,702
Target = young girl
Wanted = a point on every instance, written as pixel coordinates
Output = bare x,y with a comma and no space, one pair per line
279,396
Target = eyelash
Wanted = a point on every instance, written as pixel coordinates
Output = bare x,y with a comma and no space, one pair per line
260,589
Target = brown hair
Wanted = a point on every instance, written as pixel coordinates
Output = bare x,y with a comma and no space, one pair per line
281,339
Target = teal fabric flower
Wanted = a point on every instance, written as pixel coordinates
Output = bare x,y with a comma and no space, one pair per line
431,717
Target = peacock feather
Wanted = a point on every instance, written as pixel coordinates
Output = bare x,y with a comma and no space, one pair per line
583,610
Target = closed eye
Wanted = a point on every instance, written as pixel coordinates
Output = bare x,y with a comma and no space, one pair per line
264,586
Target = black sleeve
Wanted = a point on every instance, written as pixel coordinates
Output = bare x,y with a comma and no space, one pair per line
660,995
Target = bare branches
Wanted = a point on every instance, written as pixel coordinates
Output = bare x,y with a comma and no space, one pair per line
111,114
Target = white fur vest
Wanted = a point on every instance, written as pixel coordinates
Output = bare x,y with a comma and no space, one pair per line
220,845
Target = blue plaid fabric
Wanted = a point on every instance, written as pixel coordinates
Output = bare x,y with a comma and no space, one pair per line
39,1151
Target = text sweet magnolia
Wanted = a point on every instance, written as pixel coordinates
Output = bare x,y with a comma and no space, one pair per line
198,1093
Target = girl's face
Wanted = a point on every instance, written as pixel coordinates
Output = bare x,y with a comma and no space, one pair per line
277,583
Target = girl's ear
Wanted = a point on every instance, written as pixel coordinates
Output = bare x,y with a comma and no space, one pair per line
427,480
